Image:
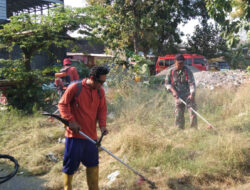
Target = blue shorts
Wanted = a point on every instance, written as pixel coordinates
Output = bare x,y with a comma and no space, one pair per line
79,150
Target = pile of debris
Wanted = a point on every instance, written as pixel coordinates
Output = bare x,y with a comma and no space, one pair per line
230,78
211,80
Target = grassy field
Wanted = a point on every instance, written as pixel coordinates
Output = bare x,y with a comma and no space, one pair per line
142,133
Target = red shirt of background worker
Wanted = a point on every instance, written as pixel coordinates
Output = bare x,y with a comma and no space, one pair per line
67,74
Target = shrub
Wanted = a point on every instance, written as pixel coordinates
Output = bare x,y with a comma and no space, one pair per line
248,70
81,68
27,93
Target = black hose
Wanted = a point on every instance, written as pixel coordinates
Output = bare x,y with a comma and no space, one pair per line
13,173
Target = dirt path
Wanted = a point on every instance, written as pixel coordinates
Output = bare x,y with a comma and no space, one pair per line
241,187
23,183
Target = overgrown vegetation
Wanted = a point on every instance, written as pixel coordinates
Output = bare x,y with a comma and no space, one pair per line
142,133
141,115
27,93
206,41
143,25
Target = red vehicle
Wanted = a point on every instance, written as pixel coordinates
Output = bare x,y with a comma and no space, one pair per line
195,60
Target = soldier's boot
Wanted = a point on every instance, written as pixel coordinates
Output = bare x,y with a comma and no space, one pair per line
92,177
68,181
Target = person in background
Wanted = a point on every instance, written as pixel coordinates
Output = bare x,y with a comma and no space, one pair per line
67,75
180,82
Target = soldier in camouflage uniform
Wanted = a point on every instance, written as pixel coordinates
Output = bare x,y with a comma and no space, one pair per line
180,82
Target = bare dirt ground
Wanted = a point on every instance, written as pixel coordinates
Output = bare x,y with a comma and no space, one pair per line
241,187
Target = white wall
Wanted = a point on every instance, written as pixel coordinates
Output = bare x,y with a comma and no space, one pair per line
3,14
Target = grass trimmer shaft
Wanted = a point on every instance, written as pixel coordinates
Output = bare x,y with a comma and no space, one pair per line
151,183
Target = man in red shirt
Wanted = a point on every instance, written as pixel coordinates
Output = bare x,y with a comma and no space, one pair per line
67,74
71,71
83,111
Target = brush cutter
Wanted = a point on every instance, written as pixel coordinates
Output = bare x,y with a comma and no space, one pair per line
210,126
142,178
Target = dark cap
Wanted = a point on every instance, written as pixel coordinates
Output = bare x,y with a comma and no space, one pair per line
179,57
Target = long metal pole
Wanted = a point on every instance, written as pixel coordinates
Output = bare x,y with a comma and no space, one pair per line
152,184
210,125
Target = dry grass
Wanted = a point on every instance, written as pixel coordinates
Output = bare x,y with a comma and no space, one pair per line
142,135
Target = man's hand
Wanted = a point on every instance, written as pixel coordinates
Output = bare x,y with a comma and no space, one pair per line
175,94
75,127
104,130
191,97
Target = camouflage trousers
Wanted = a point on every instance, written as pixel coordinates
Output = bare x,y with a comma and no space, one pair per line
179,113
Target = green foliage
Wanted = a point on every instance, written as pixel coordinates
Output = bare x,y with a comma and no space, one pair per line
119,75
27,94
142,25
206,41
33,33
248,70
81,68
51,70
236,57
124,73
220,11
140,65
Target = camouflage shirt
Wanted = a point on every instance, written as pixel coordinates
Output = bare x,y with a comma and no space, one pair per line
181,80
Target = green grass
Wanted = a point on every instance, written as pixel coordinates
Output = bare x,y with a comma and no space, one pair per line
142,134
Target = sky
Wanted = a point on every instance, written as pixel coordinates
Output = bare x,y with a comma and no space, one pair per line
75,3
186,29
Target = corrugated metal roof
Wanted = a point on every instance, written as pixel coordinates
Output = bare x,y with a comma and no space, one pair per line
29,5
2,9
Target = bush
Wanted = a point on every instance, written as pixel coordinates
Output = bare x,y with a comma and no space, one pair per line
119,76
248,70
27,93
140,66
81,68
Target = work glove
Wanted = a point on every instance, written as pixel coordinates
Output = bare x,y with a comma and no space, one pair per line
75,127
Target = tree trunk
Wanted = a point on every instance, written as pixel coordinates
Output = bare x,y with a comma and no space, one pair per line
27,59
27,64
136,26
135,43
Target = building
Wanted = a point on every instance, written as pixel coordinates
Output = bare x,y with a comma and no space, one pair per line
10,8
89,53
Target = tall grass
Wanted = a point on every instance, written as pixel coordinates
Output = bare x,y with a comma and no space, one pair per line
142,133
146,133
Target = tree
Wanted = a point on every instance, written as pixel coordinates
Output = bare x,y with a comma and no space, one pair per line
33,33
206,41
232,15
140,25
